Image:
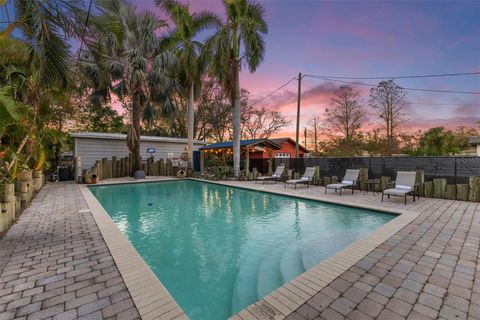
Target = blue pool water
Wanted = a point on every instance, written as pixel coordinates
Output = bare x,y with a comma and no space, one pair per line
218,249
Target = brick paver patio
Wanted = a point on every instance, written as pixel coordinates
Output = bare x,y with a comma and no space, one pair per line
54,263
428,270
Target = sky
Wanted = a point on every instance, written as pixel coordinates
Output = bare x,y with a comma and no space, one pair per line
367,39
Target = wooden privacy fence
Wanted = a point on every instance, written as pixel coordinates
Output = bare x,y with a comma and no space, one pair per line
122,167
436,188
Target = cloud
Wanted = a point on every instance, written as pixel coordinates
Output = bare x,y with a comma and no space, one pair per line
468,110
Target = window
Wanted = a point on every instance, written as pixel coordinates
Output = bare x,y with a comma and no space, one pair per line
282,155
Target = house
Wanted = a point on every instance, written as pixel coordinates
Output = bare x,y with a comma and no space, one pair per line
475,141
288,148
259,148
92,146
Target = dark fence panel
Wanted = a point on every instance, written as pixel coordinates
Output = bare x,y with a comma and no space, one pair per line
454,169
260,164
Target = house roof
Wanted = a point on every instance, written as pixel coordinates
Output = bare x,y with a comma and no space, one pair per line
279,141
474,140
243,143
119,136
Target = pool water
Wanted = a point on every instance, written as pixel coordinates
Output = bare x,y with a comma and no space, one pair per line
218,249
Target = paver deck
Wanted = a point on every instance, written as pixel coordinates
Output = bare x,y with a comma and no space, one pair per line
54,263
427,270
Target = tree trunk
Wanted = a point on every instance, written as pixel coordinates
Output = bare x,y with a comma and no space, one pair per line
190,123
58,154
236,121
137,114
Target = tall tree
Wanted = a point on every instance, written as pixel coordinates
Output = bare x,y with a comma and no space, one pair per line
36,69
344,116
126,57
101,118
262,123
240,39
183,41
388,101
45,27
314,132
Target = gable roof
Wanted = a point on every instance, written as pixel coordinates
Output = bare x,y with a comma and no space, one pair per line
120,136
474,140
243,143
279,141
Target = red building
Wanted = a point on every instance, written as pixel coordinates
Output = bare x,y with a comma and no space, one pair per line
259,148
287,150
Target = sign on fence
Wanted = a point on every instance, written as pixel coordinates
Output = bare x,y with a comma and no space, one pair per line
151,151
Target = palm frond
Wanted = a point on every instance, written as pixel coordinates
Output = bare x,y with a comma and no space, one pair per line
13,51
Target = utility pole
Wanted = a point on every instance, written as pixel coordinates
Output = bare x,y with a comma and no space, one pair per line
305,137
299,94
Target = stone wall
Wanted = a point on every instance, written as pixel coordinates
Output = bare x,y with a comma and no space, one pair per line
15,197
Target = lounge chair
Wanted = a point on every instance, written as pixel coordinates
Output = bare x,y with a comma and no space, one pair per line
349,181
405,184
307,178
277,175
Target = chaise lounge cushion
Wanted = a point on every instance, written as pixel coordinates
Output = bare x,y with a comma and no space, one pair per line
293,181
402,187
338,185
396,191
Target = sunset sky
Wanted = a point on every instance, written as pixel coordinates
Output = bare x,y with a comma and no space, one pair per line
368,39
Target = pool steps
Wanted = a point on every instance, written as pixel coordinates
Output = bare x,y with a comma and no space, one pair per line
269,275
291,264
266,273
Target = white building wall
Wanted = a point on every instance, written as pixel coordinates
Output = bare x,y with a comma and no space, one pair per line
92,149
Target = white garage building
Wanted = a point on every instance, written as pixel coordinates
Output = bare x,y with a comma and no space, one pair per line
92,146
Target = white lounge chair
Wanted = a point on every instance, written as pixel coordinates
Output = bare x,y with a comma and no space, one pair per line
307,178
277,175
349,181
404,185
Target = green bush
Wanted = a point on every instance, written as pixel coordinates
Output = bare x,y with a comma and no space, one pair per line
220,172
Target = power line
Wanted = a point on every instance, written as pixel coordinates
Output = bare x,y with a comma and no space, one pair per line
400,77
445,104
405,88
273,92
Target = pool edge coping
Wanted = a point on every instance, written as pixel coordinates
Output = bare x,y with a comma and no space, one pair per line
150,296
279,304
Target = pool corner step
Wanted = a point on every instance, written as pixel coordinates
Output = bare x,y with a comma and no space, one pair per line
291,263
269,275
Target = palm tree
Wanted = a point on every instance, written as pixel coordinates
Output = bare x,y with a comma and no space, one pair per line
243,30
126,58
45,27
188,50
35,70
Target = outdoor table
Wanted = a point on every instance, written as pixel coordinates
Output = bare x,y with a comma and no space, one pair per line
370,185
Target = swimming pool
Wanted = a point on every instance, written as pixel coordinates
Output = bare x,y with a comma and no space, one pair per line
218,249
